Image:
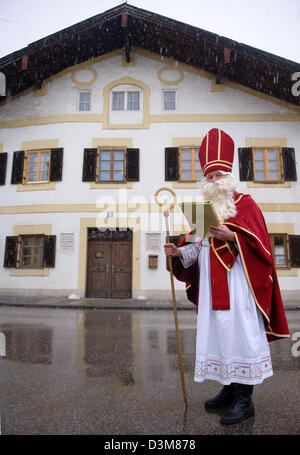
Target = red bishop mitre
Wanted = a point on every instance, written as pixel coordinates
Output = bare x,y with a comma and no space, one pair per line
216,152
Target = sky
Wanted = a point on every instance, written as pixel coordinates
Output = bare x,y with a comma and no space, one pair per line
269,25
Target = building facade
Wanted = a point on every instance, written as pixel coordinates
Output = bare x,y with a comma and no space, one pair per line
83,153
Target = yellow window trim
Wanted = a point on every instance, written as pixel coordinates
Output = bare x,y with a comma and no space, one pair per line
146,104
36,186
110,185
29,272
268,185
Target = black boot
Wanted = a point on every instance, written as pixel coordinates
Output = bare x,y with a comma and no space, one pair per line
242,407
224,398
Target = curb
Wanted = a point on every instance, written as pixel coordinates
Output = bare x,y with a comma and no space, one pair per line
95,307
115,305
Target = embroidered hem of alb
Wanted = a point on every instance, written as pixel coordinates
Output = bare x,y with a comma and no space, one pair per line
253,372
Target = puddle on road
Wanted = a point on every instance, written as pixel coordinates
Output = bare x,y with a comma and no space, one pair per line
118,363
110,342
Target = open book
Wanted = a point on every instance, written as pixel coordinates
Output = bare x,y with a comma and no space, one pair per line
199,215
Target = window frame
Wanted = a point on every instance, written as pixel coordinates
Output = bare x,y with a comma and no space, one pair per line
21,251
111,170
126,101
193,149
163,99
90,100
132,102
27,162
266,163
286,249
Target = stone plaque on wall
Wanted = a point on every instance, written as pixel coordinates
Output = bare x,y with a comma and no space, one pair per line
153,241
66,244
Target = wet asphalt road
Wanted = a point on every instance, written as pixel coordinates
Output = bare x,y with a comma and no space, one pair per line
115,372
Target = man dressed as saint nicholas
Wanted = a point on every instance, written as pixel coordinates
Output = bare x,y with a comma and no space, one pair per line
231,278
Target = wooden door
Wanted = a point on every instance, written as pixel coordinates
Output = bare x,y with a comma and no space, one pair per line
121,270
99,269
109,268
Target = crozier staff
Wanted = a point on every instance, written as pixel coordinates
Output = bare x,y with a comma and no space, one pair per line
232,279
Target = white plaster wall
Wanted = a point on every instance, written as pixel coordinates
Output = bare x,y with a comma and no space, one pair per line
65,273
194,93
74,137
194,96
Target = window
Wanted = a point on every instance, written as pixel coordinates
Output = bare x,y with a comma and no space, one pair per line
182,164
189,165
84,101
126,100
286,250
32,249
267,166
169,100
133,101
38,165
279,244
118,101
111,165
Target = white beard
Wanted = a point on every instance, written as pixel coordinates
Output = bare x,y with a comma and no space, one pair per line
221,193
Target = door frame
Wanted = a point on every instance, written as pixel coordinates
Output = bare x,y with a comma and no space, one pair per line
112,262
132,223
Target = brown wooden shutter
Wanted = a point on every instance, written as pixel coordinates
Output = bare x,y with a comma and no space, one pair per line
11,251
56,164
133,165
3,163
176,239
289,164
294,242
49,250
171,164
246,164
17,167
89,165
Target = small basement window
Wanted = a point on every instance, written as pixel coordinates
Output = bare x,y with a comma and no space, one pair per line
279,244
32,251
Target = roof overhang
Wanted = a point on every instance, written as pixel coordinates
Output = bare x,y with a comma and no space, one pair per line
126,26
